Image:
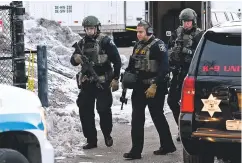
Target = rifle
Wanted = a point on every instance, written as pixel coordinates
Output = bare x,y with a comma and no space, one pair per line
123,98
88,67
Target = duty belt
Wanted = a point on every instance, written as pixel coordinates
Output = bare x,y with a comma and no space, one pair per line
151,80
148,81
102,78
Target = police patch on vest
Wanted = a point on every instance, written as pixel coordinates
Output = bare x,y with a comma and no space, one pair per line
140,52
143,52
136,51
162,47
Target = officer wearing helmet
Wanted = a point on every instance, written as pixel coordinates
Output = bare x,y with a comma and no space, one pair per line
181,45
145,74
101,52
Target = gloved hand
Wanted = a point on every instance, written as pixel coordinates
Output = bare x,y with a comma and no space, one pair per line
77,58
186,51
151,91
114,85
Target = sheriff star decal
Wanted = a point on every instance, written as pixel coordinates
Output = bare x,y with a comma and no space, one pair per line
162,47
211,105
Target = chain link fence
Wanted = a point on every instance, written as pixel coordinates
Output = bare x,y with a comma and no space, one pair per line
12,53
6,53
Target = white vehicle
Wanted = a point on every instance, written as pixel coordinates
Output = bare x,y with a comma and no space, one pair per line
116,17
23,125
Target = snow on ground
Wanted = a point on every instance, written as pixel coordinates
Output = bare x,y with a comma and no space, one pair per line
64,127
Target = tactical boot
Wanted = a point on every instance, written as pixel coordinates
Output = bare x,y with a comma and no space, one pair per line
109,141
90,146
132,156
164,151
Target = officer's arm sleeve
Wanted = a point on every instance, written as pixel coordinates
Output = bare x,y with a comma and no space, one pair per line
72,60
160,50
113,55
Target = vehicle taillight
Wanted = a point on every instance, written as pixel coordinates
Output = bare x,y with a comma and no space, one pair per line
188,92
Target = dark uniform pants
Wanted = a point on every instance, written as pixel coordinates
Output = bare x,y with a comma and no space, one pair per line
86,102
174,95
155,105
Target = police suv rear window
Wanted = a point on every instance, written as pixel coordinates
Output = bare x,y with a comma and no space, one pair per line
220,55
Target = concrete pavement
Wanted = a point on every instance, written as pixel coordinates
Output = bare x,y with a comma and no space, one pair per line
122,144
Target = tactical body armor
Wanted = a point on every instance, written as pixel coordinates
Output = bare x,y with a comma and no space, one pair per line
142,60
185,38
91,47
93,50
143,68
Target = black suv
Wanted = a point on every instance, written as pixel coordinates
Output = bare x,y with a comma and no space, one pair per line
210,118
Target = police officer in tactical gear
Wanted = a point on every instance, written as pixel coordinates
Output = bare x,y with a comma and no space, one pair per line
149,63
101,52
181,45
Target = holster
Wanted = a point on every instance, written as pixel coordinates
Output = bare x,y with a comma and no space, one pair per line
129,80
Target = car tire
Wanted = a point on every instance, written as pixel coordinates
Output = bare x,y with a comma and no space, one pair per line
235,160
197,158
11,156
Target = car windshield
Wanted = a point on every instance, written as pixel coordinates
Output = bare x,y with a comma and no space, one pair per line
221,55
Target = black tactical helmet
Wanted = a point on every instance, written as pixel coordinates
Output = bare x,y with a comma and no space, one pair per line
188,15
91,21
